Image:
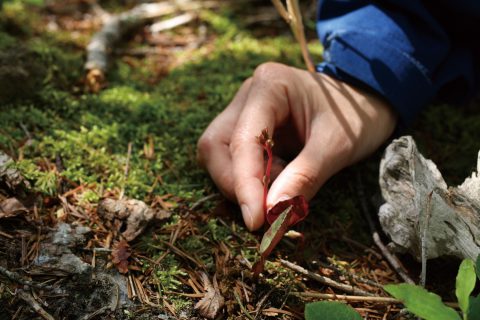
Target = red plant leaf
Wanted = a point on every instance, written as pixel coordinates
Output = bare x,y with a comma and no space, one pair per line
299,210
272,237
282,215
120,254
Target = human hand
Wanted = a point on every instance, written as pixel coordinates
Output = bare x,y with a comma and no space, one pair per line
321,123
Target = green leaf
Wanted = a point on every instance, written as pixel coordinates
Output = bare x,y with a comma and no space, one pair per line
422,303
465,283
477,267
330,310
474,308
271,238
276,231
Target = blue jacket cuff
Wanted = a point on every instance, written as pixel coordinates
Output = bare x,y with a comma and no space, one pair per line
360,57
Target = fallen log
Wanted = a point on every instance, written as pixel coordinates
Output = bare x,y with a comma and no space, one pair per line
421,214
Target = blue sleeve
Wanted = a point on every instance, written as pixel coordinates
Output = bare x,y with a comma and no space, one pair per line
395,47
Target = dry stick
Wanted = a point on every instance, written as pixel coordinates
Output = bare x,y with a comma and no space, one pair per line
357,298
423,273
324,280
242,307
293,17
361,246
203,200
346,298
172,23
27,297
19,279
392,259
350,275
116,26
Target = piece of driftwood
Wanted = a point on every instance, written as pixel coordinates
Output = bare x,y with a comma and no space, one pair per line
112,31
422,215
117,26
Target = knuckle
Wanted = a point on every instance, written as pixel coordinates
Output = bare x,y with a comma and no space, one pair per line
239,140
205,144
269,71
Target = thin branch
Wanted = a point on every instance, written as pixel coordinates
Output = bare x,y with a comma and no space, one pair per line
331,296
293,17
325,280
13,276
281,10
203,200
172,23
345,273
391,258
30,300
375,299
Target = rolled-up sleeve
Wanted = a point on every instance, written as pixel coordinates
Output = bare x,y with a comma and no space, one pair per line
396,48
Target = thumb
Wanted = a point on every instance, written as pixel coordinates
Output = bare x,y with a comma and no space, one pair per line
316,163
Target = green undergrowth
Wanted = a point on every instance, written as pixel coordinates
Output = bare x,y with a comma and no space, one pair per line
59,131
61,136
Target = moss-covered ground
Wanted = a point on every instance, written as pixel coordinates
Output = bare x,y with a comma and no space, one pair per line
64,138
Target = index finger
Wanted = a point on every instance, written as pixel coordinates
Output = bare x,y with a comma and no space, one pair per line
265,107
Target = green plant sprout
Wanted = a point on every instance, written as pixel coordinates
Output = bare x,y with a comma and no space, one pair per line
417,300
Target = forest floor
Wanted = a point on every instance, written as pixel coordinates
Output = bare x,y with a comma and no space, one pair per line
79,157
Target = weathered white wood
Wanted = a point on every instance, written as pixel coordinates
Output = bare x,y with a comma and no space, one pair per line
115,28
417,197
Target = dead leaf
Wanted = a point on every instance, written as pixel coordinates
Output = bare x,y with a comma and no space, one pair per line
135,213
11,207
9,175
120,254
213,301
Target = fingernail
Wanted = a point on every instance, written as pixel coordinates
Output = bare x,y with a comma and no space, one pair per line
283,197
247,216
280,198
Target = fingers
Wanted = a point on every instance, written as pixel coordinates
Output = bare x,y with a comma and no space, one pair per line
265,107
323,155
213,145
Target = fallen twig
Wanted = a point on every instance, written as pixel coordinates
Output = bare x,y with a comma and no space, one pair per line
239,301
325,280
172,23
391,258
351,275
30,300
374,299
204,199
361,246
19,279
331,296
116,26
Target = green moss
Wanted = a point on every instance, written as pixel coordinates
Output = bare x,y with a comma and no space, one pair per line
167,274
217,231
